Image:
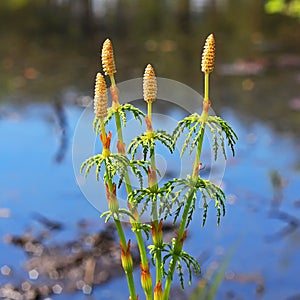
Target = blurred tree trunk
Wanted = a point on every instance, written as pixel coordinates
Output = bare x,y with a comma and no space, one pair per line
150,15
86,17
121,24
183,15
156,13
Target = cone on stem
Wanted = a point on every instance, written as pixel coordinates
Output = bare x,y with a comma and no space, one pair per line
149,84
208,55
108,60
100,97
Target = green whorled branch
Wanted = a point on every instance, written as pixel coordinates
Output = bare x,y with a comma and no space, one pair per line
218,128
147,196
147,142
178,191
116,164
175,193
123,110
179,255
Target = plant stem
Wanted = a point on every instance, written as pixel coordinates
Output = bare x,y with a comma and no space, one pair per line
118,125
102,126
206,87
149,107
123,243
179,239
158,264
112,80
140,240
138,233
129,275
158,251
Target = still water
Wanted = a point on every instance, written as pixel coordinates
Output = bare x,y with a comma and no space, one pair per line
266,247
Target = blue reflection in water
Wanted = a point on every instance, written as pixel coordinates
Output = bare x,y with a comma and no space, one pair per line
33,182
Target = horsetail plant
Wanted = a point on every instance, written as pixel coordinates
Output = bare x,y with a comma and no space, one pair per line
119,112
160,198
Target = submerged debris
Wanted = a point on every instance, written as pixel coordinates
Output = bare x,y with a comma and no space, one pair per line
56,267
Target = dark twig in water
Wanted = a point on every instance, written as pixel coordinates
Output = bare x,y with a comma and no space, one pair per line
62,130
292,222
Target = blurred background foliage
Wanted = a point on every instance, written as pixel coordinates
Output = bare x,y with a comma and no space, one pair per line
290,8
49,46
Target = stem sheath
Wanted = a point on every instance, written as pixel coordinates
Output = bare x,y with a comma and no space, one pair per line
118,224
138,233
